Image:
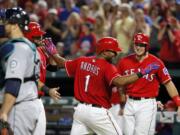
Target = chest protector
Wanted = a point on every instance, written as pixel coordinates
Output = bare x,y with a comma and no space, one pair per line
7,49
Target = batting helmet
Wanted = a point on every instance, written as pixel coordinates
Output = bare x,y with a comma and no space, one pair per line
107,43
34,31
17,16
141,38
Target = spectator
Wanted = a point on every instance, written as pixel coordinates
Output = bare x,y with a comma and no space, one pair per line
99,27
84,13
68,9
124,28
85,45
141,25
34,18
95,8
108,10
177,13
53,26
41,9
29,7
71,32
169,37
155,17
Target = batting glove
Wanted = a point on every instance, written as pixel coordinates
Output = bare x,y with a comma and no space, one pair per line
150,68
49,46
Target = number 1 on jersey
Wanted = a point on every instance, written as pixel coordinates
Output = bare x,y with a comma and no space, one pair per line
87,83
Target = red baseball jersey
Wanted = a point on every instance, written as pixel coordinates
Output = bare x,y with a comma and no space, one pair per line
43,61
93,78
148,85
115,97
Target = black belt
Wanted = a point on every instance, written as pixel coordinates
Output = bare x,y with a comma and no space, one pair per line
25,101
93,105
140,98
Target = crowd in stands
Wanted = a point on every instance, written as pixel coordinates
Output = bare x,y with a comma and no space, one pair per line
76,25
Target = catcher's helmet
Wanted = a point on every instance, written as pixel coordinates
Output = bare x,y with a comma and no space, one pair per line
34,31
107,43
17,16
141,38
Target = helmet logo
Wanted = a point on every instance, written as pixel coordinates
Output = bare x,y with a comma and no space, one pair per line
18,16
139,37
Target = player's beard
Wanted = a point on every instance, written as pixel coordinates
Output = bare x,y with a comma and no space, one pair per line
38,43
110,60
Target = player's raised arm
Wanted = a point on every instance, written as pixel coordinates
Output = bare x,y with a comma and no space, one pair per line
51,49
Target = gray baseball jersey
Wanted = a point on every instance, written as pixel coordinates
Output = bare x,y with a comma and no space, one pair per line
25,115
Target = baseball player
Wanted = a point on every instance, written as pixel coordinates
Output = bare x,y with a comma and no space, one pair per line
117,103
20,70
141,107
94,77
35,34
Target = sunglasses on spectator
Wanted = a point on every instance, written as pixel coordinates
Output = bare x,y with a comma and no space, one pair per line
140,44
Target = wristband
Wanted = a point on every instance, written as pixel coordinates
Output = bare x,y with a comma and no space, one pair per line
139,74
122,104
176,99
45,89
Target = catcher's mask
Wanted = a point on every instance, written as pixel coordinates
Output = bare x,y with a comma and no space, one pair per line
14,15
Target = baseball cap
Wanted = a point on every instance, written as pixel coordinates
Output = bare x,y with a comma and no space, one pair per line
52,11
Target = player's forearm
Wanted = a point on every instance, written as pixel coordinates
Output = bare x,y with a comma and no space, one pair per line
173,92
40,84
125,80
42,87
8,102
60,61
122,97
171,89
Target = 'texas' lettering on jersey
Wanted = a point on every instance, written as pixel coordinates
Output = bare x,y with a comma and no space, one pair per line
90,67
148,77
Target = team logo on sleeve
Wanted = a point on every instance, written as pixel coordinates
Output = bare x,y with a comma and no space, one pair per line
165,71
13,64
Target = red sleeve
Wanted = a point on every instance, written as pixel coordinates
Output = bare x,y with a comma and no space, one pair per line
70,67
111,72
120,67
163,74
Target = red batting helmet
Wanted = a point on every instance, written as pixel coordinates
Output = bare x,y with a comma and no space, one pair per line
107,43
34,31
141,38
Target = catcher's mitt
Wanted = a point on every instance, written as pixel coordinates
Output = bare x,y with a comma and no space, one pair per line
5,128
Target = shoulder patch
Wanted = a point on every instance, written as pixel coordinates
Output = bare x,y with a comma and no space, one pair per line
165,71
13,64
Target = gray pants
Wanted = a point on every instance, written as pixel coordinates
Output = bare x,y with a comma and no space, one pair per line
28,118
